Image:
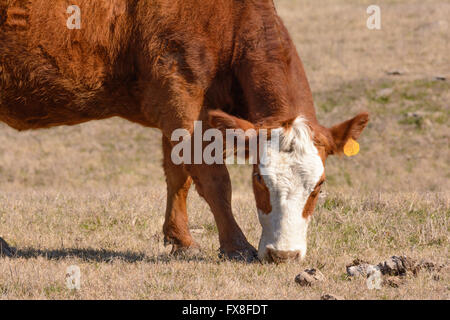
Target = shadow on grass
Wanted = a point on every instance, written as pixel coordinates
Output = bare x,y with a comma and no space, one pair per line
102,256
109,256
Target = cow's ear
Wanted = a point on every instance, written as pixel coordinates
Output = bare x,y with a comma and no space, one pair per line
350,129
244,131
223,121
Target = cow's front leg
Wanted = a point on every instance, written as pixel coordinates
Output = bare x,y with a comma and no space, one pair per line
176,229
214,185
5,249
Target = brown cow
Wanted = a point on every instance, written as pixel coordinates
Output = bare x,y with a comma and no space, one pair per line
166,64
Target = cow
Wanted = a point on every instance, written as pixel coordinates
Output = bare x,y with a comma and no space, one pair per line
166,64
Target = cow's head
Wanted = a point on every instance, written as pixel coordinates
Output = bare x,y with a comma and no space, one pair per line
287,186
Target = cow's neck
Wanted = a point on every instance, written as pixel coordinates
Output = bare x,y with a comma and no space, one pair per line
270,72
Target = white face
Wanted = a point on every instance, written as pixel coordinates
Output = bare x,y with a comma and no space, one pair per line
291,176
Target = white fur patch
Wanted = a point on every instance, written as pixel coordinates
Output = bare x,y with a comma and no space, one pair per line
291,176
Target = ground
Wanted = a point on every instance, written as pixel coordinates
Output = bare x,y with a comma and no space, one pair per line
94,195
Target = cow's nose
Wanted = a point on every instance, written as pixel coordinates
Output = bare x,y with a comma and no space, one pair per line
278,256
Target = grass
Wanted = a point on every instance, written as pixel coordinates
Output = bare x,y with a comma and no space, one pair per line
94,195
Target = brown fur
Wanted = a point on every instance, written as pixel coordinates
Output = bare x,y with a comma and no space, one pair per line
159,63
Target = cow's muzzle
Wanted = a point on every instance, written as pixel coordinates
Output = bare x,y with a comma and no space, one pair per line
278,256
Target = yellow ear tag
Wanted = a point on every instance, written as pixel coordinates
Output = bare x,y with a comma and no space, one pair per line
351,148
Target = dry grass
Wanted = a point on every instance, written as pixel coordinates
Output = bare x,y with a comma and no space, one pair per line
93,195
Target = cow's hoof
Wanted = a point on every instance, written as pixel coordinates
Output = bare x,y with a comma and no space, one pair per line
248,255
5,249
182,248
189,251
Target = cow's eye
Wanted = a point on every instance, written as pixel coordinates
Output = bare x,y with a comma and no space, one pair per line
257,176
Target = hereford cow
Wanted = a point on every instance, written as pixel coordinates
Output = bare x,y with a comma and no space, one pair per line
166,64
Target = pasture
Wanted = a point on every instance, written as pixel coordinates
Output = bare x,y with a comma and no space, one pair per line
94,195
